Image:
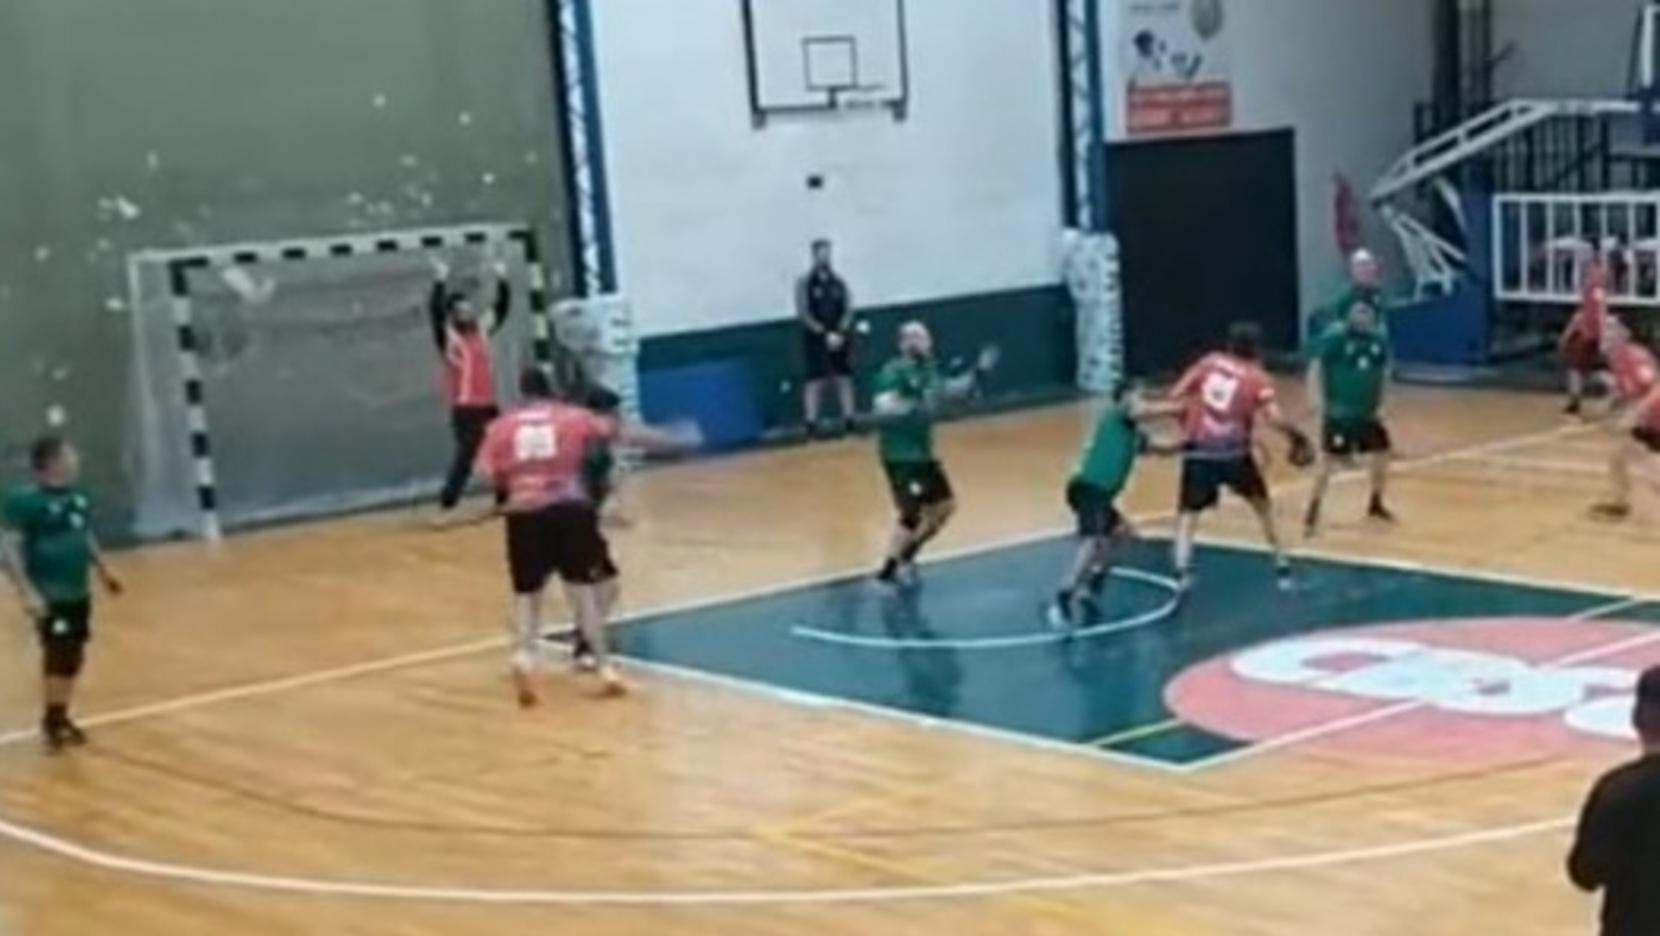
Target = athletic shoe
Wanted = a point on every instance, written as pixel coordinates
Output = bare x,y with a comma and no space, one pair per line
1283,579
1610,511
1060,614
1377,511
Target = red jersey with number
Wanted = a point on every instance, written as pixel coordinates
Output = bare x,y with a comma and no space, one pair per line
1223,395
469,378
535,453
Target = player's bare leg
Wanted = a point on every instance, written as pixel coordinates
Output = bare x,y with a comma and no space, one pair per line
1264,509
1091,564
908,540
1317,499
1618,505
812,403
1576,392
527,647
850,412
1378,468
586,608
1187,527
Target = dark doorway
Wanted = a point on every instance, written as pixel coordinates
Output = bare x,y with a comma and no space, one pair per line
1207,233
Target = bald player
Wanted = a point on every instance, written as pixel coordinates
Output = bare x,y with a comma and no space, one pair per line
911,390
1223,396
1636,416
534,455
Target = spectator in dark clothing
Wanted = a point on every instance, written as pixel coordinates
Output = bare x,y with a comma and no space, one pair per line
1617,849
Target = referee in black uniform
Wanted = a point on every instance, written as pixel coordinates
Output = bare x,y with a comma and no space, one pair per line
825,306
1617,850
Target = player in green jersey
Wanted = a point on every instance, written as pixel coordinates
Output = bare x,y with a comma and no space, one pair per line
911,390
1104,468
49,552
1348,380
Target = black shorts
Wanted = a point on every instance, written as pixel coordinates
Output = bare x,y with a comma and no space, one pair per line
1649,438
1204,477
1095,508
917,485
823,363
66,624
563,539
1346,437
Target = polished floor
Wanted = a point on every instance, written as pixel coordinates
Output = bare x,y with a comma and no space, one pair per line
309,729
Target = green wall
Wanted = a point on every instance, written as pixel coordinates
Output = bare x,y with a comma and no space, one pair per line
134,124
1034,327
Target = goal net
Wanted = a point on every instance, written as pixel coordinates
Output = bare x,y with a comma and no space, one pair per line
285,381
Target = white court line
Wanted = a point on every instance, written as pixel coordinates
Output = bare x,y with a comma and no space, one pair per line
1341,725
1007,641
322,677
1545,465
814,700
715,898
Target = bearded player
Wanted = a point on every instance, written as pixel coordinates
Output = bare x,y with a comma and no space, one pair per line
1636,416
535,455
1223,396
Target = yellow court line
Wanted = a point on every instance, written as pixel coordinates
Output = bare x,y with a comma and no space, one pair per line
1137,733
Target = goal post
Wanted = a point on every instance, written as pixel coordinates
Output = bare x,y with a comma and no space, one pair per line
312,349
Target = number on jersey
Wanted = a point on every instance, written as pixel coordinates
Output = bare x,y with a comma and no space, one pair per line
535,442
1219,390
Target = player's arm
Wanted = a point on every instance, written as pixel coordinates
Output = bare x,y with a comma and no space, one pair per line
1302,450
845,326
803,311
11,556
438,312
1590,861
966,385
503,305
106,575
1630,415
1314,387
658,440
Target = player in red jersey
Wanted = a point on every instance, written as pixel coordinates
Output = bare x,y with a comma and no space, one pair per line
535,456
462,336
1636,415
1223,396
1581,342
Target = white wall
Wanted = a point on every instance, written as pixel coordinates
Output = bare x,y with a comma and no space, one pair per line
1344,75
713,217
1564,48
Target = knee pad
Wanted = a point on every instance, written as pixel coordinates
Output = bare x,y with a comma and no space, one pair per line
64,659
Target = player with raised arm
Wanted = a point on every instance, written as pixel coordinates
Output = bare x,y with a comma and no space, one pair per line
534,455
1104,468
49,549
462,335
1223,396
911,390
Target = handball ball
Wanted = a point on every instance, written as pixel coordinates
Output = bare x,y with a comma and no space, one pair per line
1207,18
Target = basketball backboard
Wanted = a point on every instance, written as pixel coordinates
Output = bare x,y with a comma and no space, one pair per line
818,56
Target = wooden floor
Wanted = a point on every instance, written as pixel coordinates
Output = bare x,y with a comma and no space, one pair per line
311,733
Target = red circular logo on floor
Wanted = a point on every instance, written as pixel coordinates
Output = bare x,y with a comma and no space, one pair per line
1481,690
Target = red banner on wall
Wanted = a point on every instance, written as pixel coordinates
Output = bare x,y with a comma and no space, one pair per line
1175,109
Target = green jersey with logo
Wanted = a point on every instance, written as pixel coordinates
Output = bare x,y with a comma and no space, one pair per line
1111,452
1354,366
55,525
1331,316
909,438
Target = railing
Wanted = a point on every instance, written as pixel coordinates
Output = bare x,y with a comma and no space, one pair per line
1541,242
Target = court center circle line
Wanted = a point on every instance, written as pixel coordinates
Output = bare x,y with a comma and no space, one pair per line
187,874
1006,641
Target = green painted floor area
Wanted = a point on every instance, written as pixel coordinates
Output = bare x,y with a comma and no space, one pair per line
971,645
